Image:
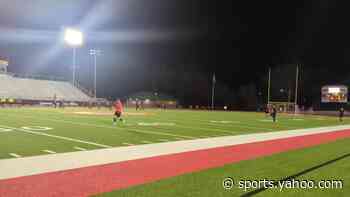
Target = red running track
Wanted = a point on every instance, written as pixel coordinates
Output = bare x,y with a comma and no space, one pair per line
103,178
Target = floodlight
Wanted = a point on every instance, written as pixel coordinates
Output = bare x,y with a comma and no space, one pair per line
73,37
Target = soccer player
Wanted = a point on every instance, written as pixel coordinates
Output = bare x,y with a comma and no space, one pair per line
137,105
341,114
118,107
274,113
267,111
142,105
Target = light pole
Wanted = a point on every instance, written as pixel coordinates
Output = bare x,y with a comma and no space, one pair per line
73,38
95,53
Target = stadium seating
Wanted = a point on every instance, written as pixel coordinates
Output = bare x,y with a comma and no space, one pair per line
33,89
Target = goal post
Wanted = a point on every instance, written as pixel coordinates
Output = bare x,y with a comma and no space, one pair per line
282,87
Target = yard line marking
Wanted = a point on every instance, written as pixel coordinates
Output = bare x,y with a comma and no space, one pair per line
15,155
49,151
160,133
111,127
265,120
79,148
128,144
163,140
177,138
59,137
146,142
204,137
239,125
320,118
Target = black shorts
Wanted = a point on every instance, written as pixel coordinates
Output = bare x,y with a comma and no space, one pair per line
118,113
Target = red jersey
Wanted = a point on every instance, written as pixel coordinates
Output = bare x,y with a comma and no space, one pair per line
118,106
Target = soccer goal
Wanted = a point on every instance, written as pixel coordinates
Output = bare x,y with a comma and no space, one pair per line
285,107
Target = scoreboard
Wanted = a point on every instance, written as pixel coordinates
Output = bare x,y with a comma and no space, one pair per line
334,94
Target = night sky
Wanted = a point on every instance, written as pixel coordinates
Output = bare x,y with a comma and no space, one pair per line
175,46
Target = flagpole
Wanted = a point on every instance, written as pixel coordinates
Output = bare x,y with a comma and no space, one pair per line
296,89
268,86
213,92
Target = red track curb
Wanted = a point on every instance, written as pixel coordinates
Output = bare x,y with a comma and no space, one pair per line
103,178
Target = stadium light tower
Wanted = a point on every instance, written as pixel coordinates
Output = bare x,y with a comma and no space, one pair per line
73,38
95,53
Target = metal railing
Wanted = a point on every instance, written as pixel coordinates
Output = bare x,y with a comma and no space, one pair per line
83,89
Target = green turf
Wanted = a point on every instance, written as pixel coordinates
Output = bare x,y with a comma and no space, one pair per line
98,129
324,162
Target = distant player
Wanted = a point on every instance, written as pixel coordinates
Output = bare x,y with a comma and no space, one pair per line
341,114
118,111
267,111
274,113
137,105
142,105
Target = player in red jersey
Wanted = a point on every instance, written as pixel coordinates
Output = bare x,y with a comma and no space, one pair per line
118,111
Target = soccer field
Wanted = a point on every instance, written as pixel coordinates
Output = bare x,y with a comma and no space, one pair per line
38,131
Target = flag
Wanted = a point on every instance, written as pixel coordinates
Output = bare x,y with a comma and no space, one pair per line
214,79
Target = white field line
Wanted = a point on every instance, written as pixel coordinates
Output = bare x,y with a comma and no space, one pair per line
146,142
163,140
111,127
205,129
128,144
65,161
58,137
79,148
15,155
204,122
177,138
240,125
248,125
49,151
204,136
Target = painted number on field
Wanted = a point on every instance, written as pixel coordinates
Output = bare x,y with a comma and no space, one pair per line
36,128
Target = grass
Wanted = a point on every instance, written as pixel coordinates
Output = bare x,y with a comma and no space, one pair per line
324,162
70,130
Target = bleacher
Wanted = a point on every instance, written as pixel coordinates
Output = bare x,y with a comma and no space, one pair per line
34,89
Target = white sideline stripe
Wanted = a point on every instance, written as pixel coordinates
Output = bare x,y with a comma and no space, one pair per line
79,148
128,144
177,138
58,137
49,151
65,161
163,140
15,155
147,142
